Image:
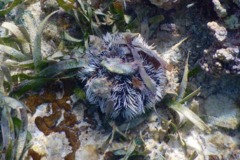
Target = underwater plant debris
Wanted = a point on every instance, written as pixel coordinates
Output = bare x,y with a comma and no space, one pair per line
125,76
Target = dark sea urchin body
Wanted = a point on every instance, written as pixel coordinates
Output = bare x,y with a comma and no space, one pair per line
124,75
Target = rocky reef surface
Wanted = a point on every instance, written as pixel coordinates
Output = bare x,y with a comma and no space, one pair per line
63,129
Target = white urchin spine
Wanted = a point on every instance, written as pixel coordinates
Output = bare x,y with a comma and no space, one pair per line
129,98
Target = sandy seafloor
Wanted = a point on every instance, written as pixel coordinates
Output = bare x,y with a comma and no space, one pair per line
218,103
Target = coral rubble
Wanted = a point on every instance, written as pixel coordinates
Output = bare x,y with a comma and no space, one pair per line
223,56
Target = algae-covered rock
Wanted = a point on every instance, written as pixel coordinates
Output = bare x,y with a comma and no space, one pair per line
237,2
165,4
232,22
222,111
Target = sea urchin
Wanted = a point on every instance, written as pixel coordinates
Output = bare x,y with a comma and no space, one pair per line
125,76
